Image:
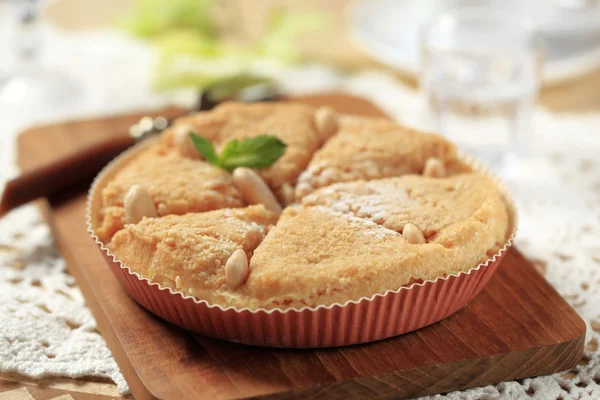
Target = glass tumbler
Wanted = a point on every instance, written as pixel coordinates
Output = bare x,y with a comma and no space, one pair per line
480,75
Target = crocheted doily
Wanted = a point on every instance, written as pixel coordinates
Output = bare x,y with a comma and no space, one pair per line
557,191
46,328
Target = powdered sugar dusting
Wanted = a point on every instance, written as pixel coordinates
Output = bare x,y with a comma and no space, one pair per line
375,201
367,227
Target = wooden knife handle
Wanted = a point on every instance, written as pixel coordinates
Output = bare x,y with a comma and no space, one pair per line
59,175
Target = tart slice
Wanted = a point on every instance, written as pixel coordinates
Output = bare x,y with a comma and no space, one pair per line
188,253
172,184
317,256
303,128
435,205
372,148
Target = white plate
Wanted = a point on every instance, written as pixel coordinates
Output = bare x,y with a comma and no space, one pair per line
388,31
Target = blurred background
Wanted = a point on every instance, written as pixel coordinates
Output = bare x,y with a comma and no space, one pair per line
517,83
67,58
165,45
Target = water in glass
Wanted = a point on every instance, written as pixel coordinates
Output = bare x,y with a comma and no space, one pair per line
480,81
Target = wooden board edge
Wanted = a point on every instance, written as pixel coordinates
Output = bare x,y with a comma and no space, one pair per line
440,379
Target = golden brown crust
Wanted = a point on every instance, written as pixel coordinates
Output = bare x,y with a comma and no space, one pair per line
176,184
188,252
373,148
291,122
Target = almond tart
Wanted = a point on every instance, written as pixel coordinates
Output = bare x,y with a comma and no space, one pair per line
379,222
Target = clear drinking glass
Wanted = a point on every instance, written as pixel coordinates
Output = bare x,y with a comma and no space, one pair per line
480,76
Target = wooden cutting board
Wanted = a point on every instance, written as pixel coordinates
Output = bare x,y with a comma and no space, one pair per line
517,327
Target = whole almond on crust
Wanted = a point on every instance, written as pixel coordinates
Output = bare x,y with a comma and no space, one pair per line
254,189
413,234
434,168
138,204
183,143
326,121
236,269
286,194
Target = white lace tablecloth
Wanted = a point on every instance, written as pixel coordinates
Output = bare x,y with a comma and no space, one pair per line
46,328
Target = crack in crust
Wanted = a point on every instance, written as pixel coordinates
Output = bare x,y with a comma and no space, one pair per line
373,148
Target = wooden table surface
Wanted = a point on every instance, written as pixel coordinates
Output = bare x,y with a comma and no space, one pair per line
580,95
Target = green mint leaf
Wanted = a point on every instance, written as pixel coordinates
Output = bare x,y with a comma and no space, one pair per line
205,147
257,152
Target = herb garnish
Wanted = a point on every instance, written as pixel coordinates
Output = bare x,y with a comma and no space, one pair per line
257,152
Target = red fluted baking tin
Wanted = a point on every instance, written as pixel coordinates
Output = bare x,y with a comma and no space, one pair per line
365,320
